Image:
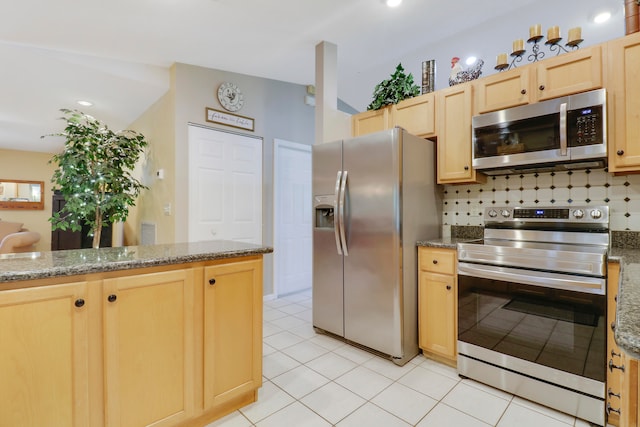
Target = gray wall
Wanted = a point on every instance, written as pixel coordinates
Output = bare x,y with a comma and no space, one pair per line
279,111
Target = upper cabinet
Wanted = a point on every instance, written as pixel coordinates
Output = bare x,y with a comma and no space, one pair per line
503,90
562,75
416,115
371,121
570,73
624,104
454,135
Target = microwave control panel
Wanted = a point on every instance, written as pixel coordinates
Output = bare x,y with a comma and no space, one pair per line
585,126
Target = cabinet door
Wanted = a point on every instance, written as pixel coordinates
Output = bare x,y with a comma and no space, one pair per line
417,115
614,355
624,63
629,389
232,330
570,73
44,356
437,314
454,135
504,90
148,332
371,121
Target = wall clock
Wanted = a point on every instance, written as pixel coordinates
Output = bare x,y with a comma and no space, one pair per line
230,96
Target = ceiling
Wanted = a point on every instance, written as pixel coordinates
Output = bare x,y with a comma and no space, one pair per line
117,53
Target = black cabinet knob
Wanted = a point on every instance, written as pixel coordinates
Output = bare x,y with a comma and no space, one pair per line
523,91
448,287
212,281
541,87
620,152
79,302
613,326
466,168
112,298
435,261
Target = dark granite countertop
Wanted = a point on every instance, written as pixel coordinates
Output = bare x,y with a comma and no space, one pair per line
42,265
627,333
444,242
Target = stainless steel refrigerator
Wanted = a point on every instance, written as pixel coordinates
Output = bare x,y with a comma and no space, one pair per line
374,197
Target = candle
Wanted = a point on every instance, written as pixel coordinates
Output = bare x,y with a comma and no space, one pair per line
535,31
502,59
518,45
553,33
575,34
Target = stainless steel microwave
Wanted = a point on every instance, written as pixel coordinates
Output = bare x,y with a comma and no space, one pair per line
558,134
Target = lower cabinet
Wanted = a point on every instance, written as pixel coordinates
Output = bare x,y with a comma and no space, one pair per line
232,332
148,336
44,362
622,370
163,347
437,303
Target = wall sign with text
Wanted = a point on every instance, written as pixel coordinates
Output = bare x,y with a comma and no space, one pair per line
228,119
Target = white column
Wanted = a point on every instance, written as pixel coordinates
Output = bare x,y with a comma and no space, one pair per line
331,124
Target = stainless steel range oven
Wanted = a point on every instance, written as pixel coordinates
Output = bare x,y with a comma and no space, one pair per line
532,306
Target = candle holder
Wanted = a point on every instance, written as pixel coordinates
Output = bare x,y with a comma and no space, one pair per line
536,55
574,44
553,42
555,46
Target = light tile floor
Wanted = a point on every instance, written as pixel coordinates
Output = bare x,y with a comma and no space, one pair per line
314,380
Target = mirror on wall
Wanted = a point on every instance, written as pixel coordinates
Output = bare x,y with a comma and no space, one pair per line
21,194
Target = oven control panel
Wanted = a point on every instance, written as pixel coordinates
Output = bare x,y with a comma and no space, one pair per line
579,214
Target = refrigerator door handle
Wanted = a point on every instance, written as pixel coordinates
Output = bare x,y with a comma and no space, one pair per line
336,209
343,190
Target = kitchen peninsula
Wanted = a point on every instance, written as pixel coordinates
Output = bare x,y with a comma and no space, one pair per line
169,335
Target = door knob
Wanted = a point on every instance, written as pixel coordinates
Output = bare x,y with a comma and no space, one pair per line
112,298
79,302
620,152
448,287
541,87
212,281
523,91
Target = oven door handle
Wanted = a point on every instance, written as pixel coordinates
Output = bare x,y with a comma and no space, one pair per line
592,285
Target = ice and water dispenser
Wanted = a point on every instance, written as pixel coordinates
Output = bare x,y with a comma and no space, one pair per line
323,206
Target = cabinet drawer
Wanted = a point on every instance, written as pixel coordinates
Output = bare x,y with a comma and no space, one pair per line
441,261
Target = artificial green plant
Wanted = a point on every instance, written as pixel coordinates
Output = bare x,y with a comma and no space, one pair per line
94,174
400,86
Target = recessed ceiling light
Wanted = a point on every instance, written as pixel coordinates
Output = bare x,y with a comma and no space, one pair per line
85,103
602,17
393,3
471,60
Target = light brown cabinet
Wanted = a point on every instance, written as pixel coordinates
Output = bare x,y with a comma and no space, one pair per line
161,346
614,355
416,115
44,360
454,136
622,370
562,75
437,303
232,331
371,121
629,392
149,343
624,105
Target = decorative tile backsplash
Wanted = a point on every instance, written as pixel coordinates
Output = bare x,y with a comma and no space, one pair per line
464,204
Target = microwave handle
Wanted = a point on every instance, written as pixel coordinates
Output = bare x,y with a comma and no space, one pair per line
563,129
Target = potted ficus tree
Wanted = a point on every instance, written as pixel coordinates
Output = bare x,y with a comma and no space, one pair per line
94,174
391,91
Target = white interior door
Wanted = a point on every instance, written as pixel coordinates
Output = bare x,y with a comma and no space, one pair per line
292,217
225,186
